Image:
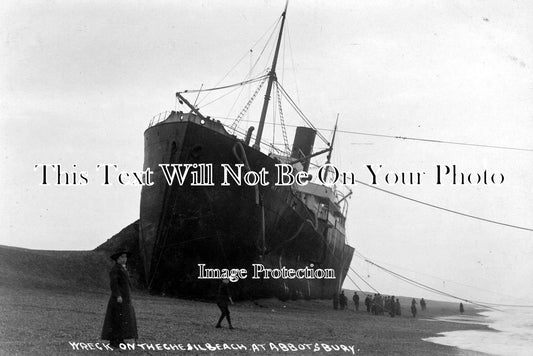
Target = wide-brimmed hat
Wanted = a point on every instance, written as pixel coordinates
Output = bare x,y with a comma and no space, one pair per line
118,253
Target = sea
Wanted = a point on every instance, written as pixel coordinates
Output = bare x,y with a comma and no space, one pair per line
512,332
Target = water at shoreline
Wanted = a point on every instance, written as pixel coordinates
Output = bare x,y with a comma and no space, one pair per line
512,335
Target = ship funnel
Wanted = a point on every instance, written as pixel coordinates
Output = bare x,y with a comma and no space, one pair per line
304,139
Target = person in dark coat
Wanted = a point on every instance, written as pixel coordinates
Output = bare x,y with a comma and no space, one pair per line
392,307
120,322
368,303
422,304
223,298
343,301
413,307
398,307
355,299
377,304
335,301
461,308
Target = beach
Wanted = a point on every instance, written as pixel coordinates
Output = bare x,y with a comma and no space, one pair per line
53,303
44,322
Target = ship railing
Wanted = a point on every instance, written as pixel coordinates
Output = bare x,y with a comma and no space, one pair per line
341,195
180,116
157,118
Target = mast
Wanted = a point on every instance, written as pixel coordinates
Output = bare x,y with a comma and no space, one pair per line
331,148
271,79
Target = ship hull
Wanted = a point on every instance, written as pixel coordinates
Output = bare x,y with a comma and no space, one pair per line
183,226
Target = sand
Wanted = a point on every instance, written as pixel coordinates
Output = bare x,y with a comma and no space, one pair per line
50,299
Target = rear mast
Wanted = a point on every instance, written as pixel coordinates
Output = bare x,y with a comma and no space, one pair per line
328,161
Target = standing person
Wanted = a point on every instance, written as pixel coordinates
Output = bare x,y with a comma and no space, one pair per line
398,307
355,299
422,304
335,301
120,322
368,303
223,298
375,304
461,308
343,301
392,306
413,307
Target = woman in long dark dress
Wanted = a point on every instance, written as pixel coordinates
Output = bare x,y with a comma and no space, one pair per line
120,322
223,299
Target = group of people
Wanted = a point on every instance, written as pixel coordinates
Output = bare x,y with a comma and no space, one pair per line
120,322
380,304
340,300
413,306
377,304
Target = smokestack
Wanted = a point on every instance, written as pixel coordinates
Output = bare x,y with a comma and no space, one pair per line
304,139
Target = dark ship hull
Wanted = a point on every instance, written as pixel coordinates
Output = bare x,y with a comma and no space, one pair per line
182,225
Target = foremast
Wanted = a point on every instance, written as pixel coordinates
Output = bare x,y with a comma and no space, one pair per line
271,79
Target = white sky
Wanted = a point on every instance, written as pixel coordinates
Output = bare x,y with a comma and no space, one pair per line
80,81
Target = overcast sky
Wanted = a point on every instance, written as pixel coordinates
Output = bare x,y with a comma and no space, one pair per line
81,80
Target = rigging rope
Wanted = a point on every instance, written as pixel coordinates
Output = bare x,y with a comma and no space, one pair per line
428,288
436,277
361,278
332,252
364,258
412,138
350,278
246,54
282,120
301,114
445,209
434,141
226,86
247,106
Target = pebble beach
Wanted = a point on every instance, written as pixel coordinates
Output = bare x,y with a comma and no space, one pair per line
63,313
